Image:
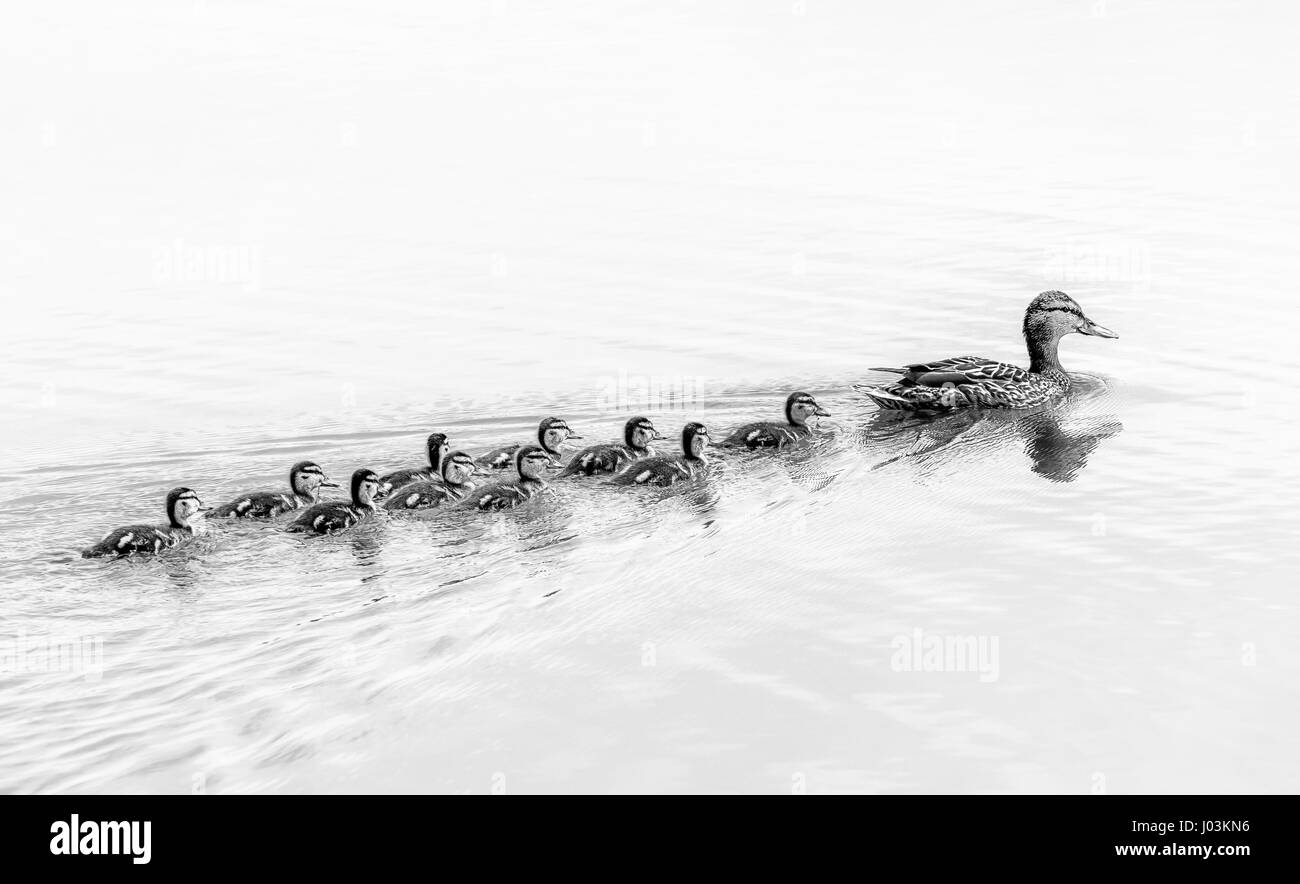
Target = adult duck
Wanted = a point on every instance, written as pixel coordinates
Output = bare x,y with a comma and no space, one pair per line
975,381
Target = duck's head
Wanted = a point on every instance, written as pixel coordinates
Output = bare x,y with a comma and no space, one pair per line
437,446
1052,315
458,467
639,432
695,438
532,462
365,485
801,406
553,432
306,479
182,505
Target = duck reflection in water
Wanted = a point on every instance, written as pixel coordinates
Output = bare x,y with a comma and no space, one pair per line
366,549
1059,454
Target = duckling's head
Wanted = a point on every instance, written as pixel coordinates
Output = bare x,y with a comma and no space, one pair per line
1053,315
306,479
553,432
695,438
532,462
639,432
182,504
801,406
437,446
457,468
365,485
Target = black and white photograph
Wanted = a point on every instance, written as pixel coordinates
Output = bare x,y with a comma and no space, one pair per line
677,398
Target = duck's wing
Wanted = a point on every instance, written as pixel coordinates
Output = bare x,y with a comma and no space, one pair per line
494,496
418,496
661,470
761,434
261,505
643,471
498,458
596,459
958,370
323,517
130,539
398,478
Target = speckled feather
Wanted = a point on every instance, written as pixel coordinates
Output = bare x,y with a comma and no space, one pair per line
965,382
138,539
425,495
499,458
765,434
263,505
661,470
399,478
324,518
504,494
607,458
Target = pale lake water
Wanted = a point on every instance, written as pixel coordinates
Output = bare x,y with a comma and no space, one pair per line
238,235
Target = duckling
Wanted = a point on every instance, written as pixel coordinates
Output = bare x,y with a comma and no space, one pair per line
457,469
530,462
305,481
336,515
769,434
182,505
638,433
437,448
664,470
966,381
552,433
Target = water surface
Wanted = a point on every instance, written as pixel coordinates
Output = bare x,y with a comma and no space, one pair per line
241,235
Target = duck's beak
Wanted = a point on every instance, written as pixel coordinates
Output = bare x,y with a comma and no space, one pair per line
821,412
1099,331
556,464
658,436
203,509
329,483
572,435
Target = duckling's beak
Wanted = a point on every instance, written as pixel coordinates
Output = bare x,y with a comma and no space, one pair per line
556,464
821,412
329,483
203,509
1100,331
573,435
657,436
